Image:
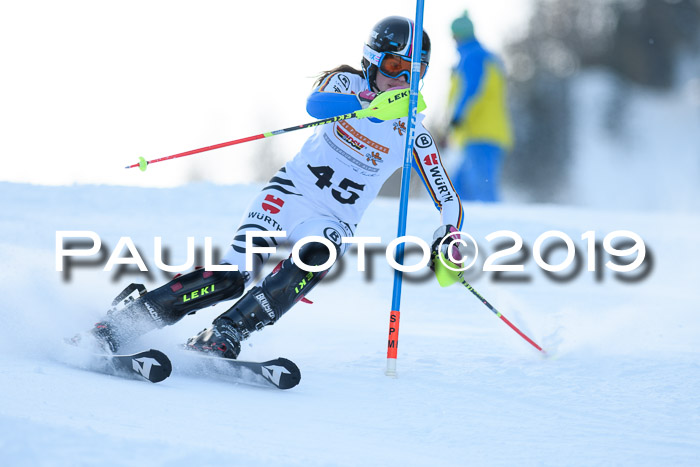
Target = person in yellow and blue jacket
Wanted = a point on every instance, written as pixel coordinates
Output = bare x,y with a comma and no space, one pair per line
479,120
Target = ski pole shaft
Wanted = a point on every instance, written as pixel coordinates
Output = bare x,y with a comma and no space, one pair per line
387,105
143,163
500,315
413,108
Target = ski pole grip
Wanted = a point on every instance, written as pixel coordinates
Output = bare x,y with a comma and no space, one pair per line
391,105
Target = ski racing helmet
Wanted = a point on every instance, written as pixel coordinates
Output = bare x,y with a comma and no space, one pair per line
389,49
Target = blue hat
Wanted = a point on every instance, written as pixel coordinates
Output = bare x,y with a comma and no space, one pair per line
462,27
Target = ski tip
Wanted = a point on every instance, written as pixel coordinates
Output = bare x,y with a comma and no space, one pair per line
293,375
286,362
158,372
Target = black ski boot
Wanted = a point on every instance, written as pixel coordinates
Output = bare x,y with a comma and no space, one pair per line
222,340
164,306
262,305
105,337
99,339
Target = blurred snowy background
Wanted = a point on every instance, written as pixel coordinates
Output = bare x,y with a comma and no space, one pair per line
605,94
606,100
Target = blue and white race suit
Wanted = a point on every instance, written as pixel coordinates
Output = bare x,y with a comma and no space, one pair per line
326,188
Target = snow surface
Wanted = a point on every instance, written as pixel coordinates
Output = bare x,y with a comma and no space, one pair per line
621,387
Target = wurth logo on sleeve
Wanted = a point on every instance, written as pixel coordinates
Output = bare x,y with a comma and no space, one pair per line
438,179
272,204
430,159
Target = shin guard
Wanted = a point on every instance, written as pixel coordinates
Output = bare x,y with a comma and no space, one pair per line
168,304
265,304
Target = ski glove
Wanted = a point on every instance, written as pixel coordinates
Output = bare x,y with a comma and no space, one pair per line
448,253
366,97
448,241
390,104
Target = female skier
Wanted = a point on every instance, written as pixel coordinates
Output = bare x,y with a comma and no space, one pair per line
323,192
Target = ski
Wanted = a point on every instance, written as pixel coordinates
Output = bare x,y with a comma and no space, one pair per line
150,365
279,373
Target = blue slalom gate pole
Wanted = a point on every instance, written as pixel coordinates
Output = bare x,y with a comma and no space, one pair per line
405,183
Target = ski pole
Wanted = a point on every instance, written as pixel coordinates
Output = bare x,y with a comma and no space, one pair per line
386,106
498,313
414,104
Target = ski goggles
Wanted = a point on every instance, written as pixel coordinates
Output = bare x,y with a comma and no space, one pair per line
393,66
